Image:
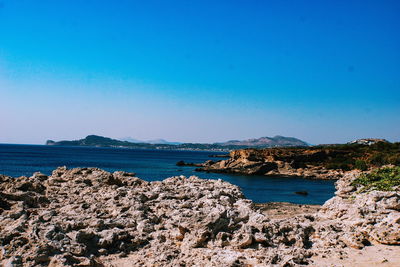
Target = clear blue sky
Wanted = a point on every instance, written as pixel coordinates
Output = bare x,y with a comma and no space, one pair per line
200,71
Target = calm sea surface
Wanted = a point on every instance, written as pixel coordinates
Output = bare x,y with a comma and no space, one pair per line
151,165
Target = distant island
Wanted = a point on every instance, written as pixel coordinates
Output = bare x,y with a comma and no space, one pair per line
263,142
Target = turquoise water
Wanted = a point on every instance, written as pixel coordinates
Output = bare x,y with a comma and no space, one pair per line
151,165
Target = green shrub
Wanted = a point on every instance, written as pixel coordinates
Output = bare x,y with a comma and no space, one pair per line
383,179
378,159
361,165
394,159
338,166
333,166
345,167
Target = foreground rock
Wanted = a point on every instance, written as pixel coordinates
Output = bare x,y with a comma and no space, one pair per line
358,229
285,210
80,216
89,217
359,219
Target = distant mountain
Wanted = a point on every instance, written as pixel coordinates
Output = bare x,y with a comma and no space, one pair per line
275,141
162,141
155,141
263,142
131,140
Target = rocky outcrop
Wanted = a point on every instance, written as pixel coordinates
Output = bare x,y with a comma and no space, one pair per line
277,162
182,163
89,217
358,219
83,216
316,162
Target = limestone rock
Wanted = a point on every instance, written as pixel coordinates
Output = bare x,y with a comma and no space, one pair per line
90,217
358,219
81,216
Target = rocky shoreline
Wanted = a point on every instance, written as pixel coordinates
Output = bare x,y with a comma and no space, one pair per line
284,162
90,217
316,162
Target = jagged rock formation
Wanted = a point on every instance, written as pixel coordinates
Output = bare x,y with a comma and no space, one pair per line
359,219
78,216
89,217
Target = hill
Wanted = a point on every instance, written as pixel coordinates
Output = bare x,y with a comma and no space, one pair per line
276,141
263,142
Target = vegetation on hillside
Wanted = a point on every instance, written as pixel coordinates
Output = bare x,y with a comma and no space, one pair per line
383,179
362,157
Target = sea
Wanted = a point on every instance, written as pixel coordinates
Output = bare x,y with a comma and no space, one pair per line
156,165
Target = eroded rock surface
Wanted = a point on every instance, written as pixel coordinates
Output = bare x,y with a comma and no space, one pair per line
358,219
80,216
90,217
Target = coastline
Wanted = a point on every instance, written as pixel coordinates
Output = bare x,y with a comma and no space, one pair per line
329,162
124,148
152,165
